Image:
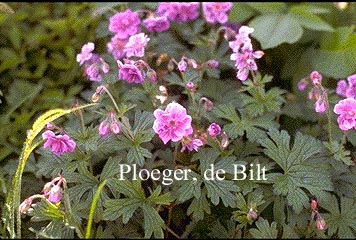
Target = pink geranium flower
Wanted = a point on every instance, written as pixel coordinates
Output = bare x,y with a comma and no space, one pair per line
173,123
125,24
60,143
156,23
86,53
346,108
191,144
136,45
130,72
216,12
179,11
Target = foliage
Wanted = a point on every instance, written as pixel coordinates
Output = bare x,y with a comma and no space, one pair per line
256,178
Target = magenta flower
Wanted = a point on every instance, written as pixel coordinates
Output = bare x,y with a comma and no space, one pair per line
191,144
214,129
95,67
173,123
179,11
130,72
157,23
110,124
60,143
216,12
125,24
136,45
316,77
190,85
182,65
302,84
320,105
104,128
55,194
117,47
86,53
346,108
212,63
341,88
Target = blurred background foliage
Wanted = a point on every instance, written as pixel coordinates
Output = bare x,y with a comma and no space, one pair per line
39,43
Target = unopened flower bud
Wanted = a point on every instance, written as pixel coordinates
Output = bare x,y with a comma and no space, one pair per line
190,85
224,140
208,105
55,194
316,77
115,127
212,63
152,76
104,128
252,215
105,67
25,205
47,187
95,98
320,222
313,204
182,66
49,126
302,84
99,89
170,65
192,63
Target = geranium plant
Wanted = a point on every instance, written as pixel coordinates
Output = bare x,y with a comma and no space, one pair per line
183,130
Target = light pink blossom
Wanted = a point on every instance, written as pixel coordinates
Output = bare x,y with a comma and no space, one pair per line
60,143
156,23
136,45
191,144
125,24
173,123
346,108
216,12
130,72
86,53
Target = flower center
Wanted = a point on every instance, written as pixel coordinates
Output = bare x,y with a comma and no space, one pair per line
172,123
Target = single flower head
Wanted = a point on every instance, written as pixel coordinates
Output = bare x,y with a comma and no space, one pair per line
136,45
173,123
179,11
191,144
125,24
156,23
60,143
86,53
216,12
130,72
346,108
214,129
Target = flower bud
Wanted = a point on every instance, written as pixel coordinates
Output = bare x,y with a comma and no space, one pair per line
49,126
170,65
25,205
320,222
316,77
302,84
95,98
212,63
208,105
192,63
224,140
152,76
104,128
55,194
252,215
115,127
47,187
182,66
190,85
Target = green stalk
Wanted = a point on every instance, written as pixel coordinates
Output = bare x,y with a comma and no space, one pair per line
92,208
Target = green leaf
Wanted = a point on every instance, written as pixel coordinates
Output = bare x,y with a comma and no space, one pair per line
153,222
272,30
223,189
264,230
335,58
341,219
267,7
115,208
137,154
199,206
164,199
240,12
188,188
339,153
309,20
110,169
301,171
252,127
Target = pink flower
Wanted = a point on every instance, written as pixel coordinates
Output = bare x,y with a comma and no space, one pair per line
156,23
216,11
320,104
94,67
125,24
341,88
104,128
136,45
173,123
55,194
60,143
191,144
214,129
110,124
130,72
179,11
86,53
117,46
316,77
346,108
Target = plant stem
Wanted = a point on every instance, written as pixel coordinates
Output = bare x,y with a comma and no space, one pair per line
112,99
92,208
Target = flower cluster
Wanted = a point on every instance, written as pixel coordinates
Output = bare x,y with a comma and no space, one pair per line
51,191
317,92
110,124
243,53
